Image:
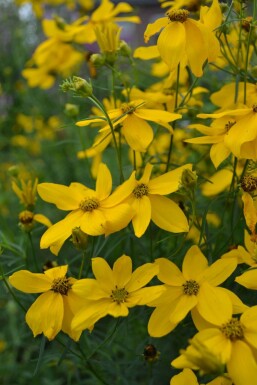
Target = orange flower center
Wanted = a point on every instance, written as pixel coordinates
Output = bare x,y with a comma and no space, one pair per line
119,295
191,287
141,190
249,183
180,15
89,204
233,330
61,285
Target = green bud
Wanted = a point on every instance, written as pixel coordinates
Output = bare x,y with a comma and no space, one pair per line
188,179
97,59
125,49
83,87
71,110
79,238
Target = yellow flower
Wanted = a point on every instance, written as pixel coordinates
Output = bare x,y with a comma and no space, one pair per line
26,191
108,37
137,132
247,255
183,38
53,310
233,341
194,289
241,137
94,211
113,291
215,135
145,197
27,220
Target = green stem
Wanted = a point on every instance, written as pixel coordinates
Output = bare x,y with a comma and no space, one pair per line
33,252
82,265
101,107
10,290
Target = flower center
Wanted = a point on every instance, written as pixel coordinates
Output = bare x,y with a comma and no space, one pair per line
249,183
191,287
89,204
228,125
127,108
254,107
26,217
180,15
141,190
119,295
233,330
61,285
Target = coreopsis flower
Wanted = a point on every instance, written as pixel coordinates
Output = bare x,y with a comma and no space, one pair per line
54,308
194,289
215,135
94,211
247,255
231,340
241,137
146,197
113,291
185,39
137,132
26,191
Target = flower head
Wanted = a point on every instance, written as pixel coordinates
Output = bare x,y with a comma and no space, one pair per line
53,310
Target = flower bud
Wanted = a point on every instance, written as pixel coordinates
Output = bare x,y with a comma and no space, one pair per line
79,238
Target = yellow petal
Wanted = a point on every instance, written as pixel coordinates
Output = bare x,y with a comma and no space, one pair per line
121,192
46,314
184,304
248,279
219,271
194,264
117,218
169,273
217,183
214,305
146,53
40,218
93,222
142,216
159,324
28,282
196,47
104,274
242,367
184,378
218,153
57,272
157,116
142,296
168,182
138,133
90,314
63,197
250,213
171,44
118,309
141,276
122,270
167,215
103,182
155,27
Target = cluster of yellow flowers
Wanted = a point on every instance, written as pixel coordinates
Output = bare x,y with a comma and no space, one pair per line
155,125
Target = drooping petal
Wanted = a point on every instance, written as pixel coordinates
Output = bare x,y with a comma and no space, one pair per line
196,47
159,324
242,367
238,305
169,273
103,274
103,182
214,305
28,282
219,271
141,276
117,218
70,303
122,270
146,53
157,116
168,182
194,264
121,192
250,212
248,319
154,28
90,314
46,314
183,306
57,234
93,222
171,44
167,215
62,196
142,216
217,183
137,132
218,153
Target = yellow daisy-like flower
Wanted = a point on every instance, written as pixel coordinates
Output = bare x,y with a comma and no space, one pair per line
137,132
53,310
194,289
94,211
145,197
232,340
184,38
114,291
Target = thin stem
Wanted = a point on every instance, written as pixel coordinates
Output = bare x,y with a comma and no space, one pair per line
33,252
10,290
